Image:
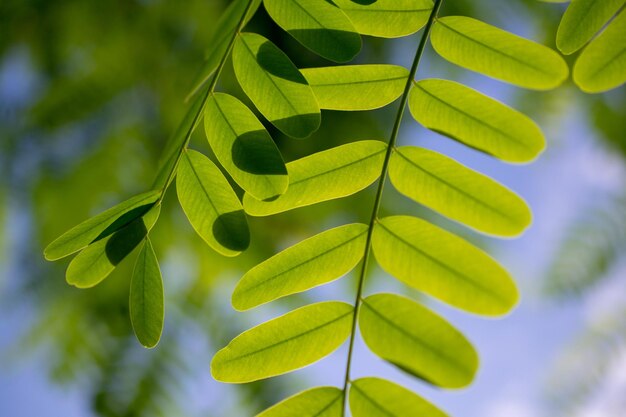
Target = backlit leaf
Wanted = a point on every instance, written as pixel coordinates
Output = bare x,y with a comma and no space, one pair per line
310,263
275,86
356,87
146,298
375,397
458,192
443,265
284,344
318,25
315,402
244,148
387,18
327,175
211,205
476,120
417,340
489,50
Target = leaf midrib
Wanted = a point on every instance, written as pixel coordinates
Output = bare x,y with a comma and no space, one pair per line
371,81
373,401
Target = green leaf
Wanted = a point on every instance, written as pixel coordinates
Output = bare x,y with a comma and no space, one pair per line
327,175
318,25
496,53
310,263
476,120
582,20
284,344
146,297
387,18
275,86
356,87
222,35
375,397
417,340
602,65
211,205
458,192
100,226
99,259
443,265
244,148
315,402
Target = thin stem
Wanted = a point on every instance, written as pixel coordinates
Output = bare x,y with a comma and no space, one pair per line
379,191
207,93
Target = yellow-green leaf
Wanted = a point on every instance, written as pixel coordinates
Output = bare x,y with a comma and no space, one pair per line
582,20
417,340
602,64
327,175
275,86
310,263
244,148
443,265
314,402
284,344
356,87
100,226
318,25
146,298
458,192
211,205
494,52
387,18
476,120
376,397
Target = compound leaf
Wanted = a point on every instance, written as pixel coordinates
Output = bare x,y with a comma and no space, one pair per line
318,25
327,175
417,340
146,297
376,397
314,402
310,263
244,148
275,86
494,52
458,192
443,265
476,120
211,205
356,87
284,344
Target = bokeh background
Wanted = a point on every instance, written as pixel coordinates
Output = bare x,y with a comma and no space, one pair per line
89,93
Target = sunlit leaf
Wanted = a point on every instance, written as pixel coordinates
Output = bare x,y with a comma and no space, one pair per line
476,120
275,86
582,20
602,64
356,87
99,259
387,18
244,148
284,344
314,402
327,175
417,340
443,265
458,192
146,298
211,205
318,25
375,397
100,226
310,263
489,50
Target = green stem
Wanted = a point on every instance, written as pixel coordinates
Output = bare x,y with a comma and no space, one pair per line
379,191
207,93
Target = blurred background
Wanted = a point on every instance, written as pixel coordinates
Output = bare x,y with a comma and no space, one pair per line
89,93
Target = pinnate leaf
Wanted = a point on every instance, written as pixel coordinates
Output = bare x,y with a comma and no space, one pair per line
315,402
